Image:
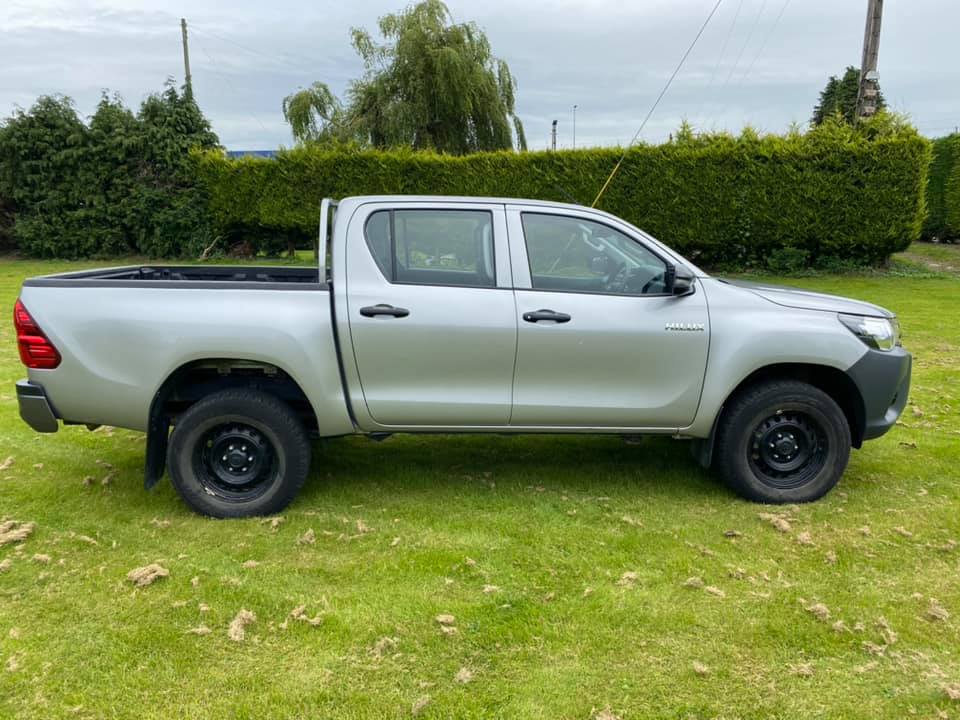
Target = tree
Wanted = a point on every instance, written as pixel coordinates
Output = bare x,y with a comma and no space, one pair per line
121,184
839,96
315,115
430,85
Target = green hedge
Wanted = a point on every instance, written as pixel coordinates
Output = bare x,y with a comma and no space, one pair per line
832,193
951,197
943,216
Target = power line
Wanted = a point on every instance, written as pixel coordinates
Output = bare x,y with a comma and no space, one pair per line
766,40
272,58
743,49
723,52
656,102
230,83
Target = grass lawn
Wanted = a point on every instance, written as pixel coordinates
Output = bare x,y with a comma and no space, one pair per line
585,576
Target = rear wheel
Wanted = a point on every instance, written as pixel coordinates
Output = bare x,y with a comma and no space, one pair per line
783,442
238,453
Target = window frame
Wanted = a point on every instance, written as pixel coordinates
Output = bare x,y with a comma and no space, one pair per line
391,211
526,251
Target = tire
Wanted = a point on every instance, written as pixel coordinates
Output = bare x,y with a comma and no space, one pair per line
238,453
783,442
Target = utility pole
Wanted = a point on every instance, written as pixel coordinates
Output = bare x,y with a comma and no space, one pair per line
553,136
574,127
869,90
188,81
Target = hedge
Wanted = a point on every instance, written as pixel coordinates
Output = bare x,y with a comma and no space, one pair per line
951,197
833,193
943,192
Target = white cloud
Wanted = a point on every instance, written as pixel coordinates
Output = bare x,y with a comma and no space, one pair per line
610,58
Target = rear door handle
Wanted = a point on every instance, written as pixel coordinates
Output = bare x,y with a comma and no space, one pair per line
383,309
538,315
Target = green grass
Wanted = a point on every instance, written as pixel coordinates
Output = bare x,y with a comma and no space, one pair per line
939,257
552,522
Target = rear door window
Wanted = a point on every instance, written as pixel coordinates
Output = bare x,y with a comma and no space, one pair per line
433,247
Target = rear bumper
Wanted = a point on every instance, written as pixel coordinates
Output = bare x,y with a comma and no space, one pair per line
35,409
883,379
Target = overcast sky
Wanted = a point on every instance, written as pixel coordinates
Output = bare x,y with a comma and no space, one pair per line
609,57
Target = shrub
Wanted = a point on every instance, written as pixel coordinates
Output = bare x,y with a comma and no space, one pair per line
945,164
951,197
784,261
835,191
124,184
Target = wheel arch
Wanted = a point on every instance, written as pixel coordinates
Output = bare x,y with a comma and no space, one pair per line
834,382
199,378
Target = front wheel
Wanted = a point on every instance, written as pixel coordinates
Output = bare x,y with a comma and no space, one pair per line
783,442
238,453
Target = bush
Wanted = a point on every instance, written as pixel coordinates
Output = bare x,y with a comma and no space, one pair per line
835,191
940,224
951,197
124,184
784,261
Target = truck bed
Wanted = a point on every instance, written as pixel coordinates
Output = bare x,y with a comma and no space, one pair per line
186,276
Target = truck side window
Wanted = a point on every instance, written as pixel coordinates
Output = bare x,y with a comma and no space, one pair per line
433,247
571,254
378,240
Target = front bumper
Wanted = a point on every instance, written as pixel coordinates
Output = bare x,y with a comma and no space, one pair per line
883,379
35,409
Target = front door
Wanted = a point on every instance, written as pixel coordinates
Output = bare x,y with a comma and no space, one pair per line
600,343
432,316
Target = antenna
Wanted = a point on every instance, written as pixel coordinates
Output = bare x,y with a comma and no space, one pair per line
656,102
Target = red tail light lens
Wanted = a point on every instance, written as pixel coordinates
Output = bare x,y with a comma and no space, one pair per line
36,351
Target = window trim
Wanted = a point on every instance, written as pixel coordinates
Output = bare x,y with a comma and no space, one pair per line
526,251
393,246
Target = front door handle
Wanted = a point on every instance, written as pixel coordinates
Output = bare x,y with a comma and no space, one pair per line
539,315
383,309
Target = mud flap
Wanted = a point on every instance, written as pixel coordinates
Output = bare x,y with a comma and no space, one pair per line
157,436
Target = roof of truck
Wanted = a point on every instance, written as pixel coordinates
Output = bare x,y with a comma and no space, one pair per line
466,199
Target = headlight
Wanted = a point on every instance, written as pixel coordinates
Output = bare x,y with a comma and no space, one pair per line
878,333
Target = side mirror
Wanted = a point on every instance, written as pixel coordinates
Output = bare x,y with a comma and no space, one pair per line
678,280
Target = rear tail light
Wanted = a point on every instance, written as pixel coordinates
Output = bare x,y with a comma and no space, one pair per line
36,350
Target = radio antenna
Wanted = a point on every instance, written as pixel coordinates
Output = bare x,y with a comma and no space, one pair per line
656,102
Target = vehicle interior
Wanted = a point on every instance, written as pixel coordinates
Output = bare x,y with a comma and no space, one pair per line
575,255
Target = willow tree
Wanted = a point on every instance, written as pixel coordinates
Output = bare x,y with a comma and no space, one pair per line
315,115
428,83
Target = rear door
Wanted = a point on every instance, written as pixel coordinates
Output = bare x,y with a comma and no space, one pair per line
432,315
600,344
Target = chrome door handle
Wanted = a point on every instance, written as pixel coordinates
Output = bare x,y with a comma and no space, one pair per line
538,315
384,309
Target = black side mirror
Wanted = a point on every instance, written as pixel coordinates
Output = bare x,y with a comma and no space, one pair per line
678,280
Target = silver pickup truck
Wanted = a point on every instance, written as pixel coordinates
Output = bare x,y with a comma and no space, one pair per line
443,314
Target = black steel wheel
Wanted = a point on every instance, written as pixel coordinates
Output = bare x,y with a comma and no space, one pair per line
236,461
788,448
783,441
238,453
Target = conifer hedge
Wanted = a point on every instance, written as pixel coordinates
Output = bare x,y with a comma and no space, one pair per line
951,197
120,184
943,191
833,193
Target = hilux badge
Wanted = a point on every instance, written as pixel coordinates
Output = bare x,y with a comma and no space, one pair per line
685,327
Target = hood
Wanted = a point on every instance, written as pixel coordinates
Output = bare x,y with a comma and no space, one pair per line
806,300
